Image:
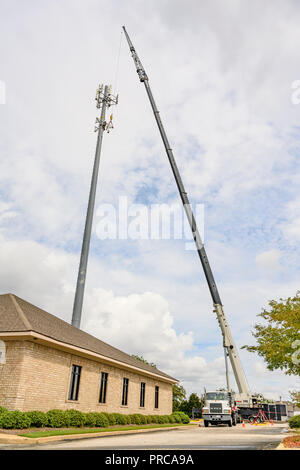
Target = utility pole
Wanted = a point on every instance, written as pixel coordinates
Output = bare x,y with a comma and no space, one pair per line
104,99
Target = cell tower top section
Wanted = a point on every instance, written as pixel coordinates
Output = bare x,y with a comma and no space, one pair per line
109,98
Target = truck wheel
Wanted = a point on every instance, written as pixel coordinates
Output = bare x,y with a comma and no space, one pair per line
206,424
251,419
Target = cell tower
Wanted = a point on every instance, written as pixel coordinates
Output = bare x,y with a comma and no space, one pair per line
104,99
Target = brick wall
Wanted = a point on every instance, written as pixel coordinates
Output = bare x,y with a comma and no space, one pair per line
38,377
10,375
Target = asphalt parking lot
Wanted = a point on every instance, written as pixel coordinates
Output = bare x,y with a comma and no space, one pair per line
194,437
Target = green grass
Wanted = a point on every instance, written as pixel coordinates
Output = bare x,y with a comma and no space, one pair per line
67,432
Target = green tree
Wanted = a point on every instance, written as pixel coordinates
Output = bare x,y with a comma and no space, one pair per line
179,396
278,342
140,358
193,402
295,397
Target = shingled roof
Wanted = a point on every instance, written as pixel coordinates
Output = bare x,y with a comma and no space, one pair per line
17,315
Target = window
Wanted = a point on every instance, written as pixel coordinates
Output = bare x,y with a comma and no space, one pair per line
74,385
217,396
103,387
156,396
142,395
125,392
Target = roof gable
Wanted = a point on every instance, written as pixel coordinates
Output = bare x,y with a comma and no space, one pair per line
18,315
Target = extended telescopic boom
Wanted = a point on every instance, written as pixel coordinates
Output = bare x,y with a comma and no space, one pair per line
228,342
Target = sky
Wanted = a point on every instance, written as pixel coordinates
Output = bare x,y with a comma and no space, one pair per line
225,77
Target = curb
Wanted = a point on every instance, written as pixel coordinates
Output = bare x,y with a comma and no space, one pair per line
4,439
281,447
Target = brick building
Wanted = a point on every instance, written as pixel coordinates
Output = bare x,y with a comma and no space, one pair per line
46,363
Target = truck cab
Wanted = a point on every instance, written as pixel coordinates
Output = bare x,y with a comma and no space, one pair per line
219,408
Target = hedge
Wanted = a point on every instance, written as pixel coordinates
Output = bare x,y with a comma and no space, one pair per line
14,420
38,419
294,422
58,419
74,418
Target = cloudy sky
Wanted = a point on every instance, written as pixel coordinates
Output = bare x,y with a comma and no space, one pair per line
224,75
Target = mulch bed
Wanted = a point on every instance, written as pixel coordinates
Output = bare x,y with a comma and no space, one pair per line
292,442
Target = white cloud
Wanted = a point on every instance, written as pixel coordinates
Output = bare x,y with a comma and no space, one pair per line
226,106
269,260
291,228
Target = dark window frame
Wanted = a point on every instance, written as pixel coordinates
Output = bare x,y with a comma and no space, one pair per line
103,387
74,382
142,394
156,397
125,391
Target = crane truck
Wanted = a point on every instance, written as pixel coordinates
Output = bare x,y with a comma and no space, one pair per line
217,410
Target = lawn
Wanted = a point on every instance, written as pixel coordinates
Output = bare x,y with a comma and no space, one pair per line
70,431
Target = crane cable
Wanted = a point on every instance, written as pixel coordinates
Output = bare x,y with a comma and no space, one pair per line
118,63
109,125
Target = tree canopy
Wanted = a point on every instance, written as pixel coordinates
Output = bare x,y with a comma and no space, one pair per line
140,358
278,341
295,397
179,396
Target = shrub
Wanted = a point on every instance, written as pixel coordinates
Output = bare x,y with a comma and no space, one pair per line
184,418
181,417
101,420
128,419
167,419
136,418
121,419
131,419
38,418
14,420
143,419
90,420
57,419
111,418
294,422
177,418
161,419
75,418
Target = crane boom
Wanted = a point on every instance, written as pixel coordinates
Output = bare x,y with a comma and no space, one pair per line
228,342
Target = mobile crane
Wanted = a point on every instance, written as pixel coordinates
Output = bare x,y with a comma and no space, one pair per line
243,398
